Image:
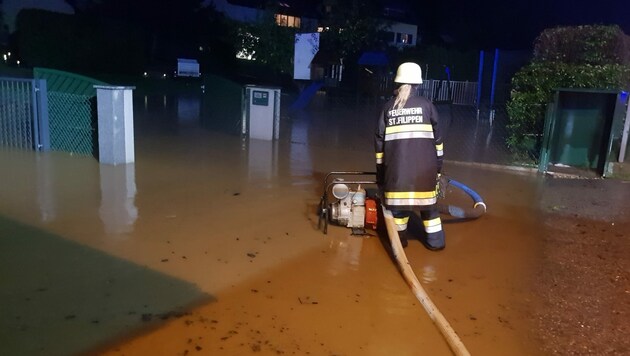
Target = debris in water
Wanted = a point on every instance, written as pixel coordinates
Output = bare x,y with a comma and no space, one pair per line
70,317
146,317
252,255
307,300
236,194
165,260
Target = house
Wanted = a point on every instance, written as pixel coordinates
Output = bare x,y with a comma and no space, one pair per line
401,24
400,28
290,13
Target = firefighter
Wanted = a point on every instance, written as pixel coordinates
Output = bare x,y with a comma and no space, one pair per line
409,153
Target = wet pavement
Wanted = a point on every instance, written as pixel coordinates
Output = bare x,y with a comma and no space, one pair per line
208,244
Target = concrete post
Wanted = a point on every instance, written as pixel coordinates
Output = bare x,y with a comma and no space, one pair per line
115,124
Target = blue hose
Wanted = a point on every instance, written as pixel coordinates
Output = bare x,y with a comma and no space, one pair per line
479,206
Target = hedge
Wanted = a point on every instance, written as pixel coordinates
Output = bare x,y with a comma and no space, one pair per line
594,57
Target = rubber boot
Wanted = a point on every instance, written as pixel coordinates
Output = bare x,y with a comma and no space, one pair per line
404,238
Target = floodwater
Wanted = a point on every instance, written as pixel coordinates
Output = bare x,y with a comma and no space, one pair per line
208,244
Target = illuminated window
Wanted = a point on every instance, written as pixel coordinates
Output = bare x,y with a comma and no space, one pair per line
404,38
287,21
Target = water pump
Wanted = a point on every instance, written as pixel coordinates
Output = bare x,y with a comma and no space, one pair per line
356,208
351,207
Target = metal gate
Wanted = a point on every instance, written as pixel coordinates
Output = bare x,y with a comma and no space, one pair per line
458,93
72,111
23,114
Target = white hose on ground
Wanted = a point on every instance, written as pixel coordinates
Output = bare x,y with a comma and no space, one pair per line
454,342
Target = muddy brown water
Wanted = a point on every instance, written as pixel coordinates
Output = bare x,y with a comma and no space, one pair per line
208,244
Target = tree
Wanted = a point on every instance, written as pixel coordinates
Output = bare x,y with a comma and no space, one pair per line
170,25
217,37
268,43
351,27
4,31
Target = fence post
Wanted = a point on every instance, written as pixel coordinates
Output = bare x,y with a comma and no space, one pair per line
115,124
41,99
479,82
624,135
494,82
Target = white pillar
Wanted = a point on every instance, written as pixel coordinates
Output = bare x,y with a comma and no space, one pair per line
115,124
118,210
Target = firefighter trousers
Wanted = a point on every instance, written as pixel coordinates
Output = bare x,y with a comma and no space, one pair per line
431,222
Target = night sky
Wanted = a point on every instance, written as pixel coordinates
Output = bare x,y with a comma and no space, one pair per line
513,24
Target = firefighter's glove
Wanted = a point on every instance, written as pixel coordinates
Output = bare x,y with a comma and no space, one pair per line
441,185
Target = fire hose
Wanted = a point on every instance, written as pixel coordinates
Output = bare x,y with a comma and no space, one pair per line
479,208
454,342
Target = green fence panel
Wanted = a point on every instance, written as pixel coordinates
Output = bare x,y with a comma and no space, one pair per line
72,120
65,82
222,105
72,111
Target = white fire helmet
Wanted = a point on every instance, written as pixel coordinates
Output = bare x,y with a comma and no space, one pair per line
408,73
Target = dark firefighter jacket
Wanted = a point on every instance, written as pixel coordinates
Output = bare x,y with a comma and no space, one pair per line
409,152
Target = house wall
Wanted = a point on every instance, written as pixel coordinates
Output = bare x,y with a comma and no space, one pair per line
250,15
11,8
398,29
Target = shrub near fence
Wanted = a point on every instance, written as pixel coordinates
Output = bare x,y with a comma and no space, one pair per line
594,57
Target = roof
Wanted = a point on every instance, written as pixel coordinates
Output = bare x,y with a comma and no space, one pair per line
306,8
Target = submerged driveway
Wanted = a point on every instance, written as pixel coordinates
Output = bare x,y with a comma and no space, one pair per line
209,244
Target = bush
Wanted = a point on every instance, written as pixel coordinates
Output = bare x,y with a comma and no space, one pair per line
583,45
594,57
